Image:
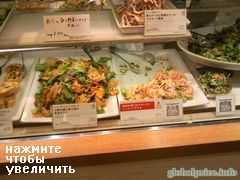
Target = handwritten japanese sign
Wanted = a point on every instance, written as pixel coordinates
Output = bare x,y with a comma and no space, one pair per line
66,27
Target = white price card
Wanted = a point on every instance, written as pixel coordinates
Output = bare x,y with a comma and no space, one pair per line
66,27
68,116
143,111
165,22
173,109
6,126
225,105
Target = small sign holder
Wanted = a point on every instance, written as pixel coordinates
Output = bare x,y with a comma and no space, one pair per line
225,105
173,109
70,116
165,22
6,126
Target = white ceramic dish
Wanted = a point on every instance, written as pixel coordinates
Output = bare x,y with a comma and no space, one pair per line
174,60
110,111
183,45
25,84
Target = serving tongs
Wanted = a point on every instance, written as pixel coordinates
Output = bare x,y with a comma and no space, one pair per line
4,64
146,56
135,68
24,70
87,51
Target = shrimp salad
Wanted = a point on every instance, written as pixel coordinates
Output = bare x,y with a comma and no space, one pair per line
165,84
73,81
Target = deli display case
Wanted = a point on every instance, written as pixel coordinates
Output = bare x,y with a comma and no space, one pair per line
115,88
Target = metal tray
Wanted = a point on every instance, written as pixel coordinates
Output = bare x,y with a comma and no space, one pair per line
133,29
174,60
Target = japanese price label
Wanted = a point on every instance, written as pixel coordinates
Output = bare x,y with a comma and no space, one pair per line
68,116
5,121
225,105
143,111
165,22
66,27
173,109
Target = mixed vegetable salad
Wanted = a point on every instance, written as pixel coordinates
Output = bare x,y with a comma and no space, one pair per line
221,45
215,82
73,81
165,84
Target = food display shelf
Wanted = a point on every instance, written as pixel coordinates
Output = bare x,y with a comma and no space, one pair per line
191,115
104,30
198,126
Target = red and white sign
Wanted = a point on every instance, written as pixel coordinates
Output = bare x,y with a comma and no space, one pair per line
141,111
136,106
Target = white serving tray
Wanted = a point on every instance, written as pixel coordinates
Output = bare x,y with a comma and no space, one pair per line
234,80
183,45
174,60
25,84
9,14
112,105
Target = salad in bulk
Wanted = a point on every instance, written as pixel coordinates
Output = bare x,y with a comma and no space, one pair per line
223,45
215,82
167,84
4,11
131,12
81,4
73,81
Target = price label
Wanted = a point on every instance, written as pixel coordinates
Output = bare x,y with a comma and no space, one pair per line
143,111
165,22
6,126
68,116
173,109
225,105
66,27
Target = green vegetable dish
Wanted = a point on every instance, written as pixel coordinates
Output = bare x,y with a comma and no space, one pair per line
221,45
214,83
73,81
3,14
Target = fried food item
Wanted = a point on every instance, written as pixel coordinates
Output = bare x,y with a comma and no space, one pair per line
8,101
32,5
14,67
14,76
2,102
14,72
5,55
9,88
